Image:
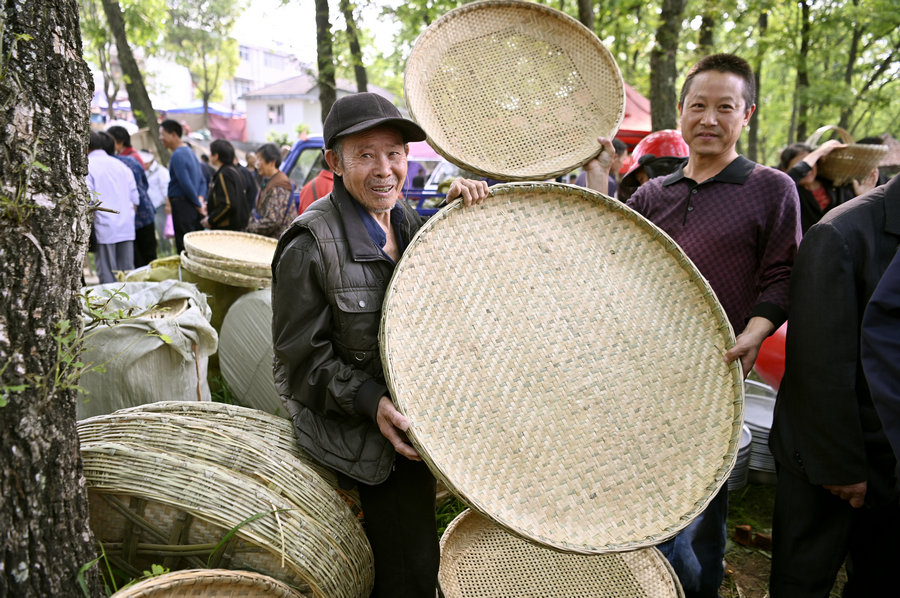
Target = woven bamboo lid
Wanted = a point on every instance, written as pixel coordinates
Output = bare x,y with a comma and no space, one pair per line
481,560
560,360
208,583
229,277
244,248
241,267
513,90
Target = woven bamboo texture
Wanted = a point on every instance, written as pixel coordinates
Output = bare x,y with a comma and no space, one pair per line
248,268
481,560
243,248
844,164
229,277
560,361
208,583
513,90
269,429
309,548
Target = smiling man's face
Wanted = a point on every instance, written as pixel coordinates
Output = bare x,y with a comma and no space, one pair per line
373,167
714,113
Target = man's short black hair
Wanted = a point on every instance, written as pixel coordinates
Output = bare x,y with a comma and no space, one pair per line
103,141
120,134
724,63
269,152
172,127
791,152
223,150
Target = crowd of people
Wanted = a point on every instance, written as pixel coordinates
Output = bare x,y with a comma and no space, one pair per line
776,244
214,191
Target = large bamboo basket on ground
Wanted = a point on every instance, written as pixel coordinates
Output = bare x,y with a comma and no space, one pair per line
845,164
166,489
513,90
234,258
560,361
481,560
209,583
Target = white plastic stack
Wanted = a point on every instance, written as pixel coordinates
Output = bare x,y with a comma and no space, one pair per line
759,408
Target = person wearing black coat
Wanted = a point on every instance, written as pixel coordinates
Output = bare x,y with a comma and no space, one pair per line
226,205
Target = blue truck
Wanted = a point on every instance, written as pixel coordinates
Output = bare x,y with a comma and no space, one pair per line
306,158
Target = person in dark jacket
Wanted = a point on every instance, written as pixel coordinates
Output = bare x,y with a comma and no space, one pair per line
330,272
275,208
226,206
837,493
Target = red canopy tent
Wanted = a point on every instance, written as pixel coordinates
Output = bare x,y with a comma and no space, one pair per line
636,124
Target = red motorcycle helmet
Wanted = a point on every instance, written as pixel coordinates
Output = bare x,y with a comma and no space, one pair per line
657,154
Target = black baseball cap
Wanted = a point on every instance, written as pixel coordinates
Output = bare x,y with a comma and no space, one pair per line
364,111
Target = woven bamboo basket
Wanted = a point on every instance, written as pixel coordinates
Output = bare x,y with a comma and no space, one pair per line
229,277
248,268
481,560
149,505
209,583
513,90
845,164
245,248
270,429
560,361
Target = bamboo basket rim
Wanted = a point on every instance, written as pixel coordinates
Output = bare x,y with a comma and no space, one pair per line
210,583
854,161
245,248
228,277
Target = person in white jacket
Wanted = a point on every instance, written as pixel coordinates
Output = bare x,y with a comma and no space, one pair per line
158,178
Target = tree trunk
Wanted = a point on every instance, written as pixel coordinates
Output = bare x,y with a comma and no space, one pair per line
359,68
706,38
586,13
753,134
663,99
325,58
44,105
801,86
134,80
850,67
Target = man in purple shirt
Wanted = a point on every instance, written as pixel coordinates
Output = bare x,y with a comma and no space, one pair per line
739,222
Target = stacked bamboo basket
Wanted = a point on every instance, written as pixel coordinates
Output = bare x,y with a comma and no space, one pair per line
233,258
209,485
576,398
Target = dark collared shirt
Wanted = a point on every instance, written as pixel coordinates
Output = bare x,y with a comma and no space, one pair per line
377,233
741,228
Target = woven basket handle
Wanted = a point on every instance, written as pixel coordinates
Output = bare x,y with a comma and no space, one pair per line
813,139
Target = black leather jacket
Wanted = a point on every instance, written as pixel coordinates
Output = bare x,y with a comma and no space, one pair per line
328,283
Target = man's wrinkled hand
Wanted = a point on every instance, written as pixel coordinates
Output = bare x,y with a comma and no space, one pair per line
747,344
597,170
855,494
393,426
471,192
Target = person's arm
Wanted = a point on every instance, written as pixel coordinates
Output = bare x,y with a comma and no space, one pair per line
470,191
301,337
222,196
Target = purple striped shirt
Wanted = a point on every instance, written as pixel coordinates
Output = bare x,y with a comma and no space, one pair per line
741,228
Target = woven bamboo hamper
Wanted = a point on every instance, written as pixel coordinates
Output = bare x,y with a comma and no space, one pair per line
149,505
847,163
209,583
229,277
560,361
247,268
481,560
513,90
239,247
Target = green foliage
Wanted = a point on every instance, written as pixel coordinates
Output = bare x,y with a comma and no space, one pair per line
277,138
197,36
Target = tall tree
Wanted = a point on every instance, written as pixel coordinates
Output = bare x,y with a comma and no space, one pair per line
325,58
585,13
44,101
198,35
98,48
801,83
663,68
359,67
753,134
141,105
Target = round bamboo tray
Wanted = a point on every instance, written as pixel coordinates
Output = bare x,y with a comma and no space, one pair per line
209,583
247,268
229,277
845,164
513,90
245,248
561,363
481,560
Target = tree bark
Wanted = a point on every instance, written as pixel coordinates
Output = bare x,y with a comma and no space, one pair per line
134,80
359,68
663,99
801,86
753,134
706,38
325,58
44,105
586,13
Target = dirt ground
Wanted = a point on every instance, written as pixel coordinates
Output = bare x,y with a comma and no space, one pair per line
747,567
